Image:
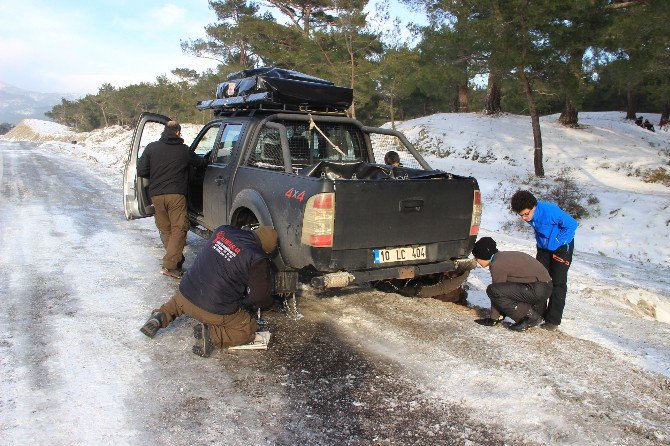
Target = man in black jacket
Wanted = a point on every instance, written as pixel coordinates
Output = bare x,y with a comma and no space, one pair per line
166,162
520,285
232,270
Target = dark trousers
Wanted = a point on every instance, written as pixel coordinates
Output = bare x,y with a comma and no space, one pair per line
515,300
557,263
172,222
225,330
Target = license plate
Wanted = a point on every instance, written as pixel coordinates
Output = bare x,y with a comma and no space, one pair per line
404,254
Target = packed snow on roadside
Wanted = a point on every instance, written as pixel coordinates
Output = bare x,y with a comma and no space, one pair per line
608,158
622,287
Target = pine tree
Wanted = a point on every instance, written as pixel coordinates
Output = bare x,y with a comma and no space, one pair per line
636,46
397,78
229,41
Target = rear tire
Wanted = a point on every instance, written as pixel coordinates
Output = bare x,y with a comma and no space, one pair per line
445,287
246,219
284,282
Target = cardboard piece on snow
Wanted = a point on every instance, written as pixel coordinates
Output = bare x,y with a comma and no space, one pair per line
260,343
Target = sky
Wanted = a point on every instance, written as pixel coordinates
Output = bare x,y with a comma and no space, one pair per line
74,46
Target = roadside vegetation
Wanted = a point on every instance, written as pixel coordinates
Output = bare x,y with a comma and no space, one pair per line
658,175
561,189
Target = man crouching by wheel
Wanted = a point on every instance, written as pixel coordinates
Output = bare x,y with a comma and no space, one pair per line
232,270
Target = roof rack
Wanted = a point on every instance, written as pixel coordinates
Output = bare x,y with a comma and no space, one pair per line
222,106
272,88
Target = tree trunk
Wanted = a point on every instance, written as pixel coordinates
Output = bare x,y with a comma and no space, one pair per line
104,115
463,98
569,117
492,106
391,110
352,68
535,122
665,112
453,106
631,105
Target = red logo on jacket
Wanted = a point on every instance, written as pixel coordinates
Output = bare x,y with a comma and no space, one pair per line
224,246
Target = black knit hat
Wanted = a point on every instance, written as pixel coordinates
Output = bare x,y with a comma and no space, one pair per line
484,248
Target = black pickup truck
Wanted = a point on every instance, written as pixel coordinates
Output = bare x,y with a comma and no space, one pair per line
282,152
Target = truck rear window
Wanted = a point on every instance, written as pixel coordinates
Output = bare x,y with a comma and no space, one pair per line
308,146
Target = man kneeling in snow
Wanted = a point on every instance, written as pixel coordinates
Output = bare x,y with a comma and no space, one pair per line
232,269
520,285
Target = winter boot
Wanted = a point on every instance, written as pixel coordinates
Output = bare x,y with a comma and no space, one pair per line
488,322
177,273
549,326
153,324
204,347
532,319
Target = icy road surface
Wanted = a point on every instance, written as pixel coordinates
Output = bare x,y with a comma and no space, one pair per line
361,368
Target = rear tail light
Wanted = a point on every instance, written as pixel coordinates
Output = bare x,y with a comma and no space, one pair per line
319,221
476,213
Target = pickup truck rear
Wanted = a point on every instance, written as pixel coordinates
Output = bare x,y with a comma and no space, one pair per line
342,216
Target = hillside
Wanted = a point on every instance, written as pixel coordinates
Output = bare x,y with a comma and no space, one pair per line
609,162
17,104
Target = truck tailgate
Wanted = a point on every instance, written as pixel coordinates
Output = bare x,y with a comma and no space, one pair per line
395,213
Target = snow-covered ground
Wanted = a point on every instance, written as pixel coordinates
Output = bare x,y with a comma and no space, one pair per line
628,227
619,284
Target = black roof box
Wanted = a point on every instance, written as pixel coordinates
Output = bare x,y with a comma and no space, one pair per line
272,87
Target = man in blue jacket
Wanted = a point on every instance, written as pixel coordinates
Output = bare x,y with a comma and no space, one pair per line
554,234
232,270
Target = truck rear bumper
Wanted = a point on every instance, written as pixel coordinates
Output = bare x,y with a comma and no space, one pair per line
344,278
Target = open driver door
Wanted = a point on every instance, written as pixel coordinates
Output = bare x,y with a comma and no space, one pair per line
135,195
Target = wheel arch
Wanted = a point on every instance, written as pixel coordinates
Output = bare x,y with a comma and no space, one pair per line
250,201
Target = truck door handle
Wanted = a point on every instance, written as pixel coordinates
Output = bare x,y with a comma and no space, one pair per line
411,205
219,181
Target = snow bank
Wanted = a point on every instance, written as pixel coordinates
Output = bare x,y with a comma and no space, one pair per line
107,146
38,130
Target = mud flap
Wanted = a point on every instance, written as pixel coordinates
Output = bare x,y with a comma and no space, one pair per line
284,282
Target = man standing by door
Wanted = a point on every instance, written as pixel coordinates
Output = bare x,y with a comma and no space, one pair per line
165,162
554,234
